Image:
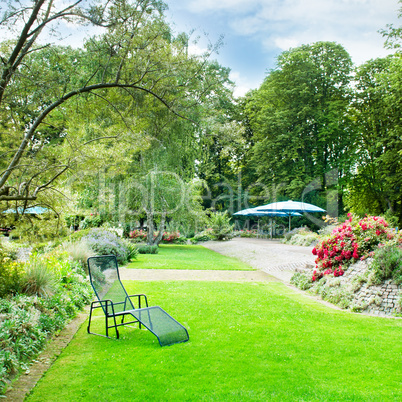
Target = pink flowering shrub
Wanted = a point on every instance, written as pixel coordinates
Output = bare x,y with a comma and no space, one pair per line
138,235
353,240
170,237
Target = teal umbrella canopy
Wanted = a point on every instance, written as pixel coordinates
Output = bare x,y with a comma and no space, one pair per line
289,208
30,210
257,212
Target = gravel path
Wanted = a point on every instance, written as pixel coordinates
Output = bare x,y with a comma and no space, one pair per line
269,256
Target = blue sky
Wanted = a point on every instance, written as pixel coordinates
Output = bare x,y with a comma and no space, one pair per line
257,31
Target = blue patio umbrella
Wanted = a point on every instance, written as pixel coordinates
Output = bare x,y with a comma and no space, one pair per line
256,212
290,207
30,210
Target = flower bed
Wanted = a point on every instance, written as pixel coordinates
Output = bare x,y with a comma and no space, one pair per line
346,275
352,241
44,293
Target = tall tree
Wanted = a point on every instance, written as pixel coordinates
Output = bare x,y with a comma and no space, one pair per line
135,56
300,122
377,179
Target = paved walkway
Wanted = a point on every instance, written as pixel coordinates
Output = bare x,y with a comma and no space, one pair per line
270,256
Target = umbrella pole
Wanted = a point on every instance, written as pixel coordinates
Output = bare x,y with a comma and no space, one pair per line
290,217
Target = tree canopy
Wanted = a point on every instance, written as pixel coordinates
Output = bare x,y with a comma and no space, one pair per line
135,62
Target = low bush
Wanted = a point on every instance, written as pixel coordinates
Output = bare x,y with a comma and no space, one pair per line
147,249
79,252
202,236
11,274
103,242
39,279
247,233
92,221
138,236
301,237
221,228
173,238
387,264
301,281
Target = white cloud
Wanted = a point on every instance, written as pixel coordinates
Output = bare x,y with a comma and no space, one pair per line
242,83
276,23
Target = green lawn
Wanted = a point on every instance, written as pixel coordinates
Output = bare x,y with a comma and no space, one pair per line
248,342
187,257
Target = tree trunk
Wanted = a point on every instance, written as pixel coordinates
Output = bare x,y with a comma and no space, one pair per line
150,228
158,238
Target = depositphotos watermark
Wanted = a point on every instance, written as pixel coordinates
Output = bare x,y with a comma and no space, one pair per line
165,192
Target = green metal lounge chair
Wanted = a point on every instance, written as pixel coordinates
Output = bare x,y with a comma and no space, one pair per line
116,303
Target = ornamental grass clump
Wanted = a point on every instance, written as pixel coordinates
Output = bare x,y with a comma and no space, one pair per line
349,242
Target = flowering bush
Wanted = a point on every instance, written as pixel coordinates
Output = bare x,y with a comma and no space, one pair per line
173,237
138,235
353,240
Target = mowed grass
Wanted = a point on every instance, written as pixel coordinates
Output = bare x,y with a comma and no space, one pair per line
248,342
187,257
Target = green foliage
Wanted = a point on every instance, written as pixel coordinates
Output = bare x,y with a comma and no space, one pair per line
59,290
92,221
148,249
248,233
205,235
11,275
43,227
173,238
103,242
78,235
221,228
301,281
132,250
371,188
299,117
138,235
301,237
387,264
78,251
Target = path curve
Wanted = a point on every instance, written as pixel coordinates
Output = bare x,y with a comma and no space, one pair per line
270,256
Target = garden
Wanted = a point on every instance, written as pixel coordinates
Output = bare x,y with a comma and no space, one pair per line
129,144
253,337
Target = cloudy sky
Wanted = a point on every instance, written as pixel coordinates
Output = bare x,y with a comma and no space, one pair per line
257,31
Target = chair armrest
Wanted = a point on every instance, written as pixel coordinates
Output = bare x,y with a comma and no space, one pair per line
104,305
139,299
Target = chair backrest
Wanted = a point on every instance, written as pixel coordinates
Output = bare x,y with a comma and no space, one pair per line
105,280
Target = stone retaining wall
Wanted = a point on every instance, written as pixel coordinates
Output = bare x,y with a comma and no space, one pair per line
383,299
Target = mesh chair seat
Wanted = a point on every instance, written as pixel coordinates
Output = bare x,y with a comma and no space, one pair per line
115,302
